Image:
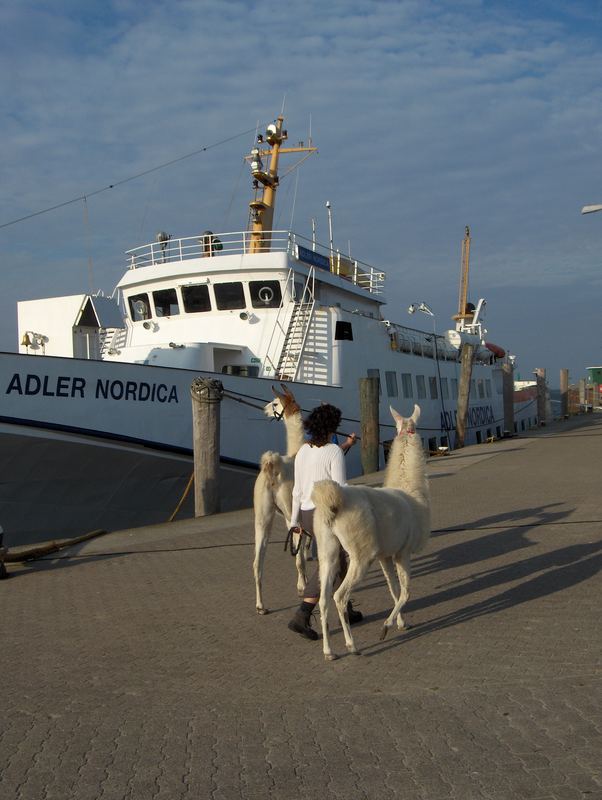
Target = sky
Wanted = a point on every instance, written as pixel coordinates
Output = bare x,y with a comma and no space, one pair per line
428,115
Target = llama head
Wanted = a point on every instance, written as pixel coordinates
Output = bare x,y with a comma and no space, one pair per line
283,405
406,424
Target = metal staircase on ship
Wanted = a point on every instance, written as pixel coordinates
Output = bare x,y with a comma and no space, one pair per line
295,334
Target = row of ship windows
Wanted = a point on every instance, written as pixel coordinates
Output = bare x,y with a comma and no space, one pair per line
197,299
416,386
434,443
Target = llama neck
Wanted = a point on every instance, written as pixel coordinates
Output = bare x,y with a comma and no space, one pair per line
294,433
406,467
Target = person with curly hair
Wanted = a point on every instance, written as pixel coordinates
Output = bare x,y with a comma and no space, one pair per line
318,459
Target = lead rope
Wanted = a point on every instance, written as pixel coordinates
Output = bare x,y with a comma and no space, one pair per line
289,540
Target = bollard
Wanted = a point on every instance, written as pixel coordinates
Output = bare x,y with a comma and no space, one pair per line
468,351
206,394
369,421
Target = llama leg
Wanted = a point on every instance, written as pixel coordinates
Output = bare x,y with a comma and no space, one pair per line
264,516
404,566
386,564
301,570
329,564
355,572
402,562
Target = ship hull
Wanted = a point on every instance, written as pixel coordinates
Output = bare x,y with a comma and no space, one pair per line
94,444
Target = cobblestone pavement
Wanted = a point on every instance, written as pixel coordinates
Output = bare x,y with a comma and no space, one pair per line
136,667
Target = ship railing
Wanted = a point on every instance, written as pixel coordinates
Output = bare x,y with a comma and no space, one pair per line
213,245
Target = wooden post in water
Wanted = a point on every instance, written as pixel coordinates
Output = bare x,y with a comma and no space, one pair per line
508,394
369,421
206,394
540,376
564,393
464,392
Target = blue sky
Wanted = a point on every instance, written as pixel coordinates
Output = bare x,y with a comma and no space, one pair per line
429,116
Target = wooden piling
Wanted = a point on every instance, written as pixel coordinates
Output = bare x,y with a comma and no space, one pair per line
206,394
540,376
369,421
564,393
467,357
582,394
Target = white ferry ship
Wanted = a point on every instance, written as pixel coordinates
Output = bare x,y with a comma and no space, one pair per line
95,414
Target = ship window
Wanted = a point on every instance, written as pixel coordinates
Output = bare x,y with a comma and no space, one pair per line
406,383
375,373
229,295
487,387
196,299
139,307
454,386
433,388
166,303
420,386
472,389
265,294
343,331
444,389
481,388
391,380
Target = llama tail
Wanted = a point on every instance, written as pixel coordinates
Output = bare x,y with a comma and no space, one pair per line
271,466
328,499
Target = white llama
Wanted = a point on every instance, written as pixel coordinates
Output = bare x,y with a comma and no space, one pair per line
273,490
388,524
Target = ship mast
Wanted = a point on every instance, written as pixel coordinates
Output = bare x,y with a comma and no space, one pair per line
464,313
262,208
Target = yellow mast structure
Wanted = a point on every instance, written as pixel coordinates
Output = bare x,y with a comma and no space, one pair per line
262,208
463,311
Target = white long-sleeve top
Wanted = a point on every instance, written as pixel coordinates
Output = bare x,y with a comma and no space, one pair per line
315,464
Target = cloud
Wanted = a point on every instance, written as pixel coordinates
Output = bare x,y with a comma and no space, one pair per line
428,115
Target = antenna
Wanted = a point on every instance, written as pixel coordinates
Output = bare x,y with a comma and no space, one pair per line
294,199
310,129
329,210
283,104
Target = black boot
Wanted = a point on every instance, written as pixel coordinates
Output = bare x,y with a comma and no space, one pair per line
352,615
301,622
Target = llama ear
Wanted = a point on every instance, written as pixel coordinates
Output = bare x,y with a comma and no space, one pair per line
397,417
416,414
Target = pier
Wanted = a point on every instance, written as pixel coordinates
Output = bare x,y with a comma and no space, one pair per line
134,665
